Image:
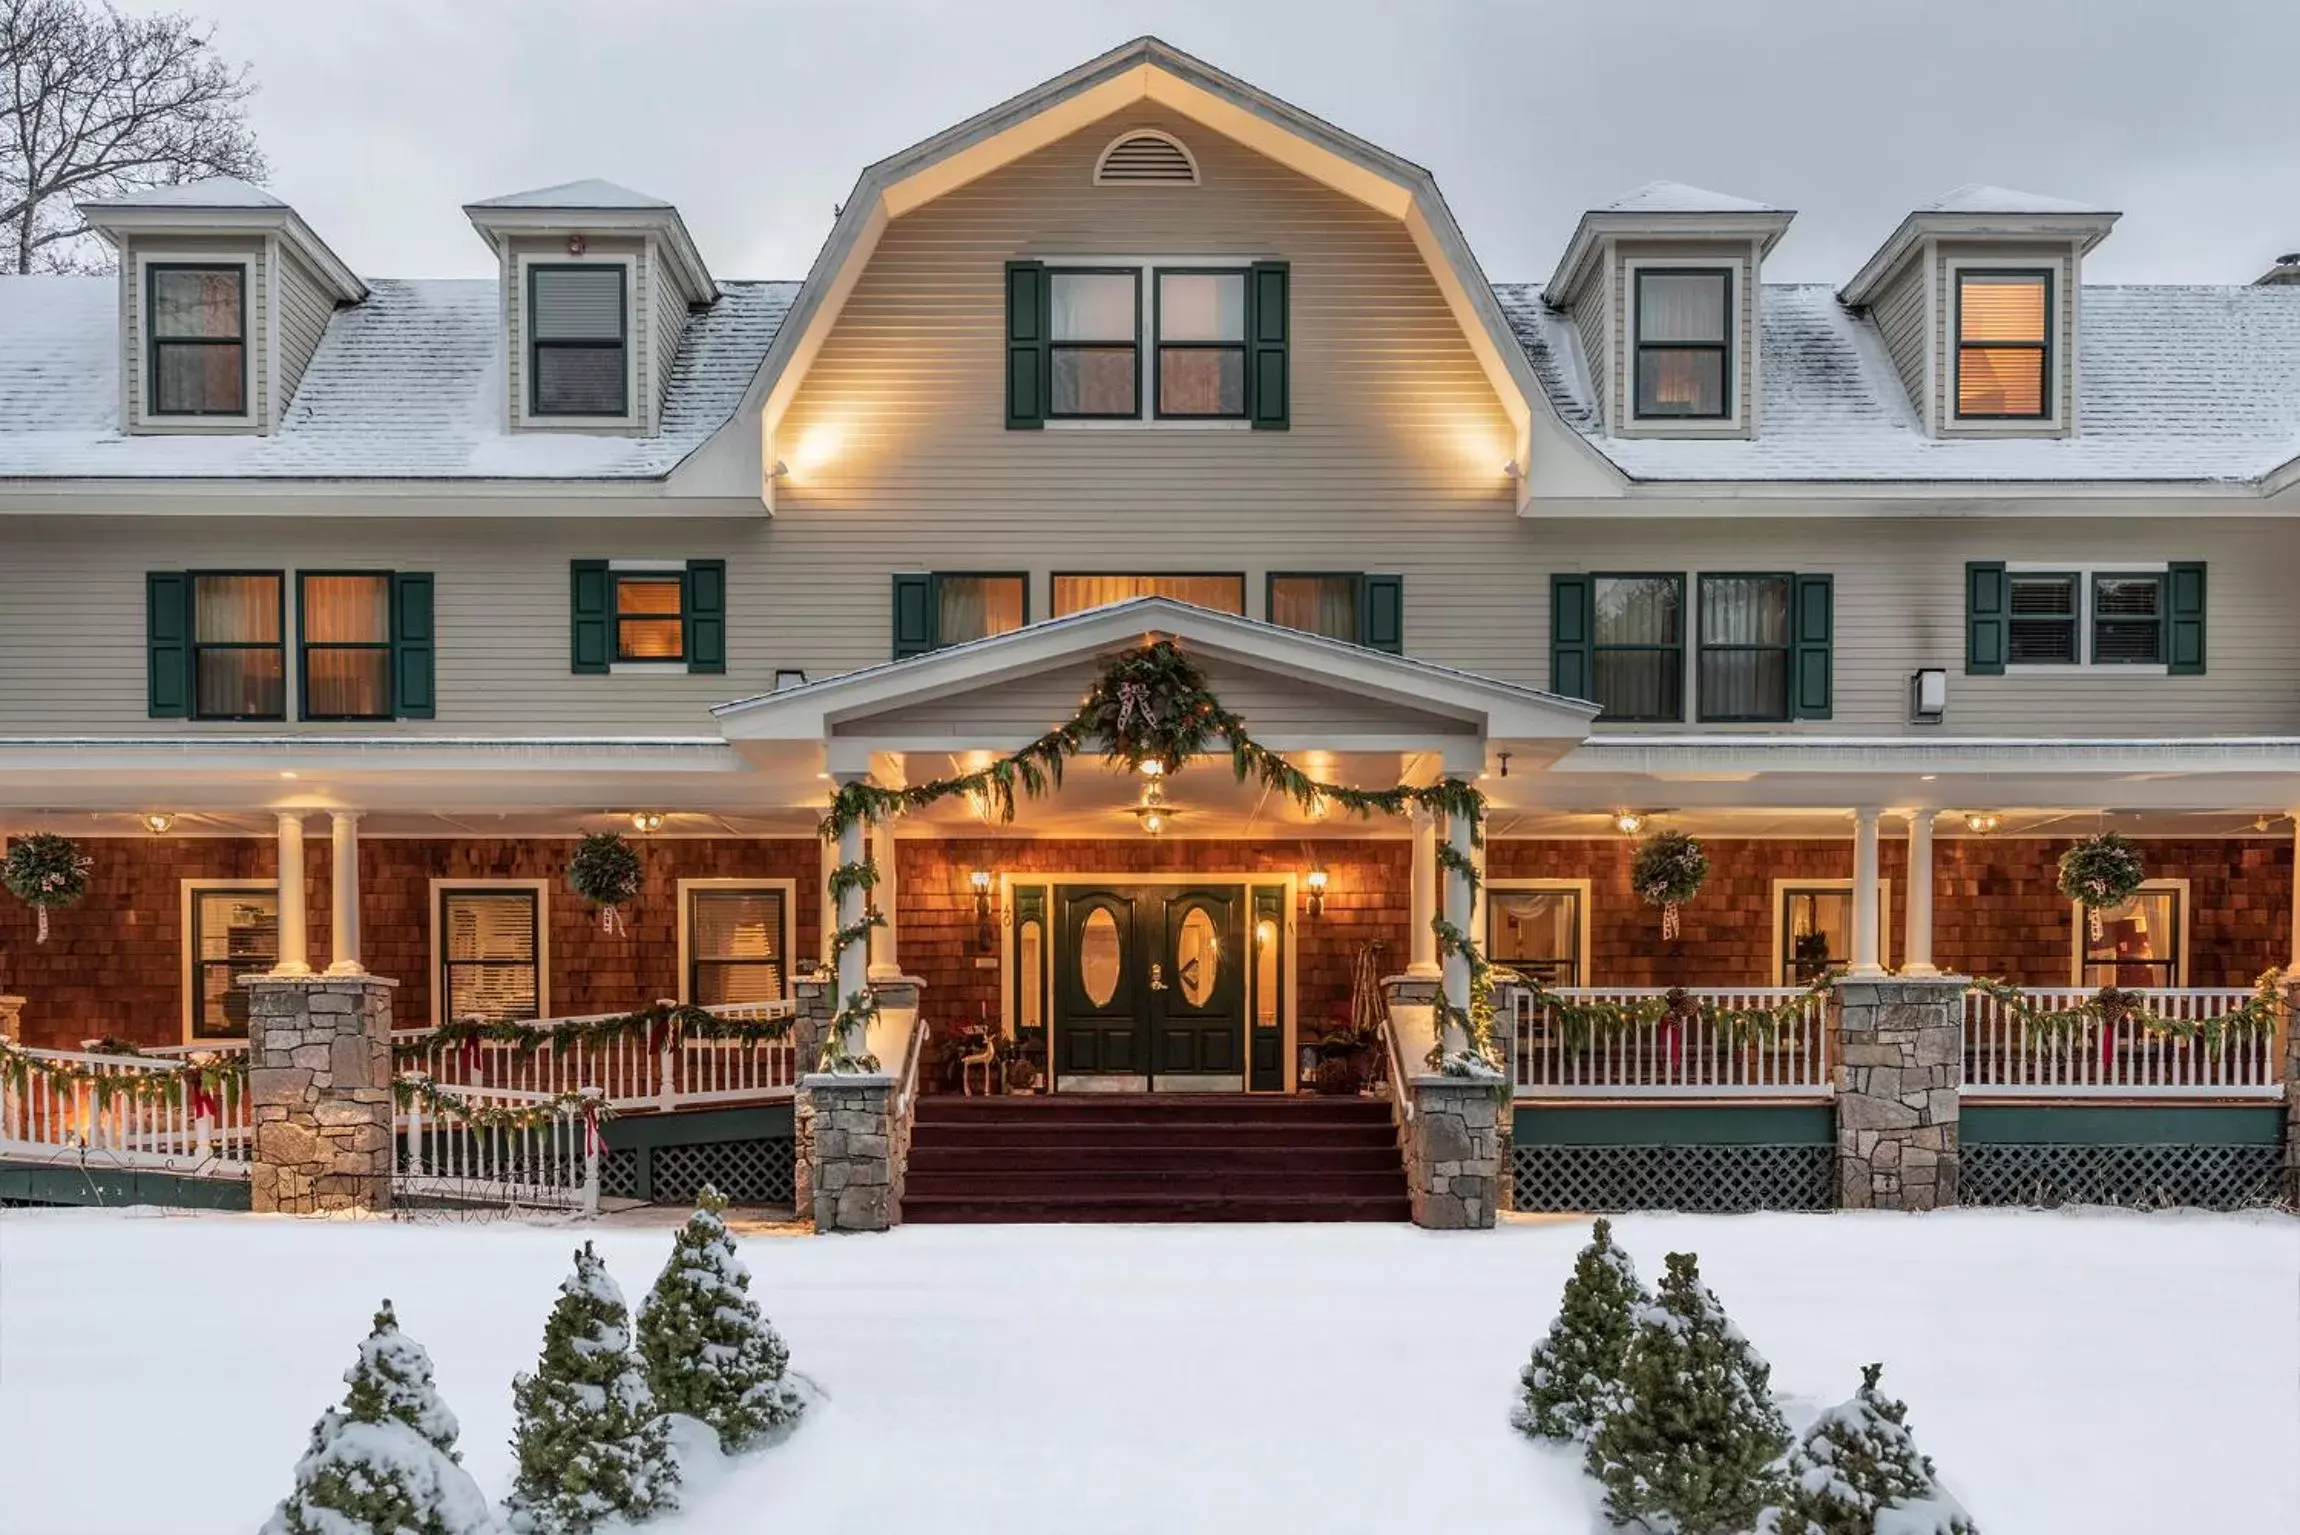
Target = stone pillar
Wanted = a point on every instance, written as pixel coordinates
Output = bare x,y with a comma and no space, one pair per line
11,1018
294,950
319,1082
1453,1149
847,1178
1917,944
2288,1032
1865,895
816,1007
343,892
1899,1048
1422,888
885,964
1412,1003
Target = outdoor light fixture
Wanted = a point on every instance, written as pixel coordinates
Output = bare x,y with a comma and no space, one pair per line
1153,818
644,821
1152,767
979,880
1512,470
1629,822
1315,883
1265,932
158,822
1928,696
1982,822
788,677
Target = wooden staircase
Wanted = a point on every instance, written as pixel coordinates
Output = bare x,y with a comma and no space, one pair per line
1153,1157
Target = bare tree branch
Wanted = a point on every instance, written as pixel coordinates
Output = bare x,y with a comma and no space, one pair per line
94,104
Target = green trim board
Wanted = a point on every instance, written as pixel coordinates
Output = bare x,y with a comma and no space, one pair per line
2170,1124
695,1127
1762,1124
52,1183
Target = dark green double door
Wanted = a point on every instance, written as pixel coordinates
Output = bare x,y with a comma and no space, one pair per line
1149,987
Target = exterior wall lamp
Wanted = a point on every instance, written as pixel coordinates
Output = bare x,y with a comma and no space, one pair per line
158,821
646,822
979,880
1928,696
1315,883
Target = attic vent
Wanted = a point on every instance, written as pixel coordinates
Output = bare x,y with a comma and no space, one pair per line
1146,158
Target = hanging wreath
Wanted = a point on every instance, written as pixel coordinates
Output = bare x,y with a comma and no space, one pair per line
1151,705
1670,870
44,870
605,871
2101,873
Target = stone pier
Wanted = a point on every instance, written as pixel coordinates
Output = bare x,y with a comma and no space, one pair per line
2289,1032
1453,1151
846,1172
319,1083
1899,1055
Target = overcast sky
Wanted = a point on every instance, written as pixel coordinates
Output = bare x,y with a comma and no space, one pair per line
382,118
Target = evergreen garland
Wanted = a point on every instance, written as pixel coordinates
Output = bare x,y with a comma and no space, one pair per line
589,1442
44,870
1857,1471
1668,871
412,1088
1690,1441
708,1351
2109,1007
1576,1370
385,1462
605,871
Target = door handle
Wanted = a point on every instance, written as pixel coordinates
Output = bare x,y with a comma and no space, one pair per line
1157,977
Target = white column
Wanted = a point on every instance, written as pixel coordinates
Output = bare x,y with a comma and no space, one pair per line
884,965
1917,944
1422,951
343,892
1865,894
295,951
854,960
1457,912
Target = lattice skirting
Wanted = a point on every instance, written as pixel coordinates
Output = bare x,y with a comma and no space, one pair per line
2149,1176
619,1174
1722,1180
753,1172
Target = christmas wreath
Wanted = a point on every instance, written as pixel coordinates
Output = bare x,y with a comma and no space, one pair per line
605,872
1151,704
2101,873
1669,870
44,870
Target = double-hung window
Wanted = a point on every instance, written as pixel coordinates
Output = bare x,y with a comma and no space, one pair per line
647,615
1095,332
934,609
1351,606
1744,661
1075,594
490,955
1201,323
578,340
2004,345
239,649
650,622
1639,648
216,645
1536,930
345,625
234,933
1762,647
2107,617
1684,326
197,355
736,944
2141,943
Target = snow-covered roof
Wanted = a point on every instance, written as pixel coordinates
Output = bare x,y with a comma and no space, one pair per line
406,386
1979,197
2180,385
1677,197
591,193
213,192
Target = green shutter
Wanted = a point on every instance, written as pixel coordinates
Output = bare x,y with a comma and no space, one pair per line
1572,636
1812,620
1027,357
2184,618
1269,325
591,595
1987,618
168,645
414,694
914,615
704,607
1382,613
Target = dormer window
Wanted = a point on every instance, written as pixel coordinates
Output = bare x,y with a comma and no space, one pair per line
2004,345
578,350
1684,343
198,361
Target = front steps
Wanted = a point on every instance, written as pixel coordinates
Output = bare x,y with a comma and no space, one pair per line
1147,1157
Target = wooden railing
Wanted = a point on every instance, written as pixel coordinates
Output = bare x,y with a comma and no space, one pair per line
1692,1058
205,1131
2086,1059
553,1166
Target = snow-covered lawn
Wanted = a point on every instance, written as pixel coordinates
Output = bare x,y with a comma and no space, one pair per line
2072,1374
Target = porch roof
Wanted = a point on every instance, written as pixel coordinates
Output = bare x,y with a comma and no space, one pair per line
1354,699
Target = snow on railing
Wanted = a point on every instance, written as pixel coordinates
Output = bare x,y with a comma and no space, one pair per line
1668,1058
2005,1058
553,1165
678,1071
123,1110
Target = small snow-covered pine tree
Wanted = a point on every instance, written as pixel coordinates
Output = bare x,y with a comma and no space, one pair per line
1576,1369
1857,1471
384,1463
589,1441
1689,1443
709,1352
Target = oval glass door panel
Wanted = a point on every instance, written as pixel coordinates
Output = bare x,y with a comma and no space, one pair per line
1099,957
1197,957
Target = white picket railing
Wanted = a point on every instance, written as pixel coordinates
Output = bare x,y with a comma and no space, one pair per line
1668,1060
554,1166
2004,1059
80,1120
677,1073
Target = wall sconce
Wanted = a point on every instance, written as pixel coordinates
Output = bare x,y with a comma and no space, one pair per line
1629,822
1315,883
979,881
779,471
1982,822
1928,696
646,821
788,677
158,821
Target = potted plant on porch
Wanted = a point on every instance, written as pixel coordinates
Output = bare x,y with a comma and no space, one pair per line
1343,1053
1018,1057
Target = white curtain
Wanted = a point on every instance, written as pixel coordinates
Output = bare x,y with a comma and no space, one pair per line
1224,594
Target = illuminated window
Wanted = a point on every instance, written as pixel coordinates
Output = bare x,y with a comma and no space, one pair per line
2141,943
1684,344
735,945
239,654
1075,594
1813,928
649,625
2003,345
489,965
1536,932
234,933
346,634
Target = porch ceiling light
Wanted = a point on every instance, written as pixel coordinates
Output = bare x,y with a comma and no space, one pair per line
1629,822
158,821
1982,822
1928,696
645,821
